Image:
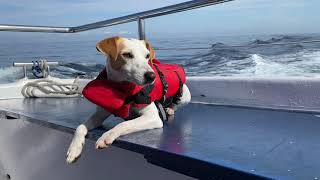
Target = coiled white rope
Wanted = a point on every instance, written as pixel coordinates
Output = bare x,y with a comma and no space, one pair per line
50,88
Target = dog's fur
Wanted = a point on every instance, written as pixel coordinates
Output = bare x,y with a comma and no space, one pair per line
127,61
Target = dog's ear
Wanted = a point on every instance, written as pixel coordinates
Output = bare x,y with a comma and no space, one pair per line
109,47
151,50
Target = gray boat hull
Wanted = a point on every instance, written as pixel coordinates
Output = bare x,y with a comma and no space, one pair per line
32,152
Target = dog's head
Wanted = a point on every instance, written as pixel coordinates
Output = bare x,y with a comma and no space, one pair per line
128,59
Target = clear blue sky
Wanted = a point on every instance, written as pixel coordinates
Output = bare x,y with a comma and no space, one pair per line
232,18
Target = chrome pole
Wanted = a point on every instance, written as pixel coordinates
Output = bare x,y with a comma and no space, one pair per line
27,28
15,64
141,29
24,71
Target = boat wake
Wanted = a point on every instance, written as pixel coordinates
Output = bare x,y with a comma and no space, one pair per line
10,74
281,56
273,56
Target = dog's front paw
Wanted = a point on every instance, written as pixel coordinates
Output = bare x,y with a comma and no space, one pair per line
106,139
169,111
75,149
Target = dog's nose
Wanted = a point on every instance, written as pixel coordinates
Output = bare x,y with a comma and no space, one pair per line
149,77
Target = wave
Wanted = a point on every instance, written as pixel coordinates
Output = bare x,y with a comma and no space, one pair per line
222,59
10,74
279,39
249,58
304,63
263,67
83,70
218,45
241,60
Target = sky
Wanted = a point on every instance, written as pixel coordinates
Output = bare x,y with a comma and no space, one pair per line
240,17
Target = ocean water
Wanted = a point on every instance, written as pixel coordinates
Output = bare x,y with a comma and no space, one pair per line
255,55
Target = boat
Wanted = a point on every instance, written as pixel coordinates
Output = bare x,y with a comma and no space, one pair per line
234,128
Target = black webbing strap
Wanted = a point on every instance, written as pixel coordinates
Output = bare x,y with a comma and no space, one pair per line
179,94
162,112
164,84
142,97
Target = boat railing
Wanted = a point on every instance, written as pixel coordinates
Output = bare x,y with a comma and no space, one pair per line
139,17
29,65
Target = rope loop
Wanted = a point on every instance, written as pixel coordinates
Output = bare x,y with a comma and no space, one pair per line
50,88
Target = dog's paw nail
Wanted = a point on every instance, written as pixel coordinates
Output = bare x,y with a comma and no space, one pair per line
98,147
74,150
108,141
70,159
170,111
100,144
73,157
105,140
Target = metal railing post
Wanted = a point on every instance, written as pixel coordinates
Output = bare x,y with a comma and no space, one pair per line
141,29
24,71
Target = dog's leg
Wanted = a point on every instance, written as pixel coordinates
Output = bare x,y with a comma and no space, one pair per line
185,99
78,140
149,119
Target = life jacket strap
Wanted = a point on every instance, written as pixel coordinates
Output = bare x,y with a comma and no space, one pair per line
162,112
142,97
177,97
164,84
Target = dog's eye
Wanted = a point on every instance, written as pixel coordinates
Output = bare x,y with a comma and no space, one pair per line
147,56
127,55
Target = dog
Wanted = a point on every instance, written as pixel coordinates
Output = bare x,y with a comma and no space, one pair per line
128,60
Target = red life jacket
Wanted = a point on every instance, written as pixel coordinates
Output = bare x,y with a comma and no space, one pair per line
116,97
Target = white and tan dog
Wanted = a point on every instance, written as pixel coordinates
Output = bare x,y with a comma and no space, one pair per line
127,61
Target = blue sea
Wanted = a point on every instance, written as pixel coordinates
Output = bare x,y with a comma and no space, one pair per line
201,55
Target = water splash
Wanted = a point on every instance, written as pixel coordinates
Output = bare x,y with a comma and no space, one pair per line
10,74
